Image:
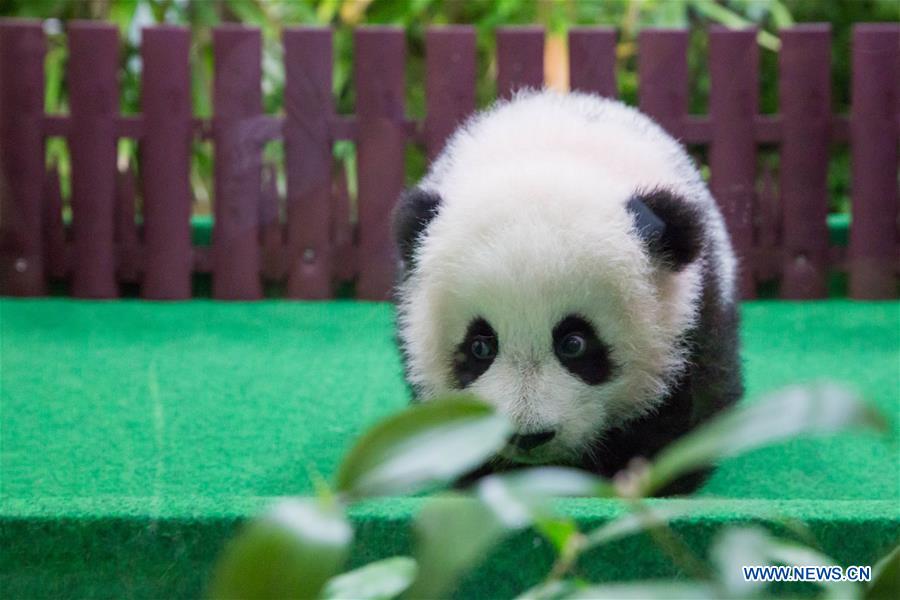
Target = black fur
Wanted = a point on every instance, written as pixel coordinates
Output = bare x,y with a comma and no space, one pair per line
671,227
711,382
467,367
594,366
414,211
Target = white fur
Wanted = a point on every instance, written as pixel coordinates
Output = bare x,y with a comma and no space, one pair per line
533,227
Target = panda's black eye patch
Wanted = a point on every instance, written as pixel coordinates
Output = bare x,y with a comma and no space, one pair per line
475,353
579,350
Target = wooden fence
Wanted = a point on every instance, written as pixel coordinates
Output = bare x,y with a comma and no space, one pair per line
316,245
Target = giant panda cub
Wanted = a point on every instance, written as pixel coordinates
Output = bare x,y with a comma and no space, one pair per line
564,261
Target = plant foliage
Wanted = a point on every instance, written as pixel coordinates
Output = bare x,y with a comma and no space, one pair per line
297,550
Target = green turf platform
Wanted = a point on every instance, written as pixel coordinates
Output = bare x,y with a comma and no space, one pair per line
135,436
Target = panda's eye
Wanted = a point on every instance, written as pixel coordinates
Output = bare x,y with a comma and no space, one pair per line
475,353
580,351
573,345
483,347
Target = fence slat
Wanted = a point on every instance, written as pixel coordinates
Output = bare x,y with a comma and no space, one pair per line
663,76
53,227
733,103
165,162
873,229
804,90
94,103
22,49
379,63
308,108
449,83
592,60
237,107
520,59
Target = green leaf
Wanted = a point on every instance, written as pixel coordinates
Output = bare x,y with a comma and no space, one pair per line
249,13
790,553
752,546
885,582
669,14
512,509
452,533
736,548
525,494
792,412
54,72
290,552
642,590
642,519
552,590
382,579
122,14
556,481
781,15
557,530
722,15
425,445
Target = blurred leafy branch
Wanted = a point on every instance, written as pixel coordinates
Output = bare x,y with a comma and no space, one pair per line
557,16
298,548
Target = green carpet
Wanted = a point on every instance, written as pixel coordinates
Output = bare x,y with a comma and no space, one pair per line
135,437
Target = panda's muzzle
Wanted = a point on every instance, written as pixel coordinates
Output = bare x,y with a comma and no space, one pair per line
529,441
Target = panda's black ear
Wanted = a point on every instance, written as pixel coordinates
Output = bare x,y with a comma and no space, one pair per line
414,211
670,226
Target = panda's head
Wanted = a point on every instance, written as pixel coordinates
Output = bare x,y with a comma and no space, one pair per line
562,302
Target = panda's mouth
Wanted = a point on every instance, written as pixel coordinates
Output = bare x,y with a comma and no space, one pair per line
536,456
535,447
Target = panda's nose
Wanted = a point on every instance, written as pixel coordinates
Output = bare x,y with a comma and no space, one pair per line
528,441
